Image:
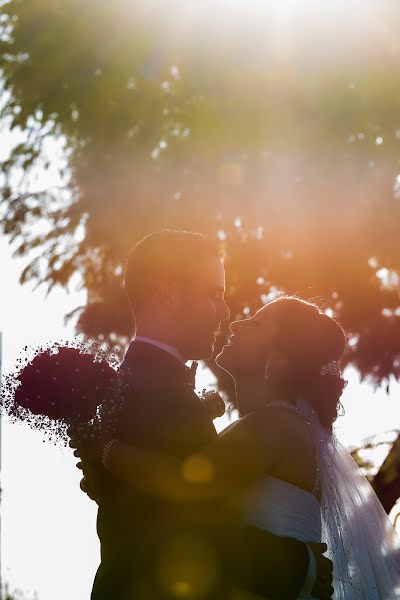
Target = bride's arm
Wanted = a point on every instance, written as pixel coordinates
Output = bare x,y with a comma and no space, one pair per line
237,458
155,472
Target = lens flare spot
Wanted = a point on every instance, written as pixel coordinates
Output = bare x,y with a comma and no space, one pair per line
188,567
197,469
181,589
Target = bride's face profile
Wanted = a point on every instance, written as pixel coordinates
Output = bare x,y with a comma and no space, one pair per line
249,346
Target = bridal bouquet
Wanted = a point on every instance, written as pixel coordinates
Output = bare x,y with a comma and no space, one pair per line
62,387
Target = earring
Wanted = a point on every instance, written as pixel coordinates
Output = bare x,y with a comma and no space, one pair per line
266,371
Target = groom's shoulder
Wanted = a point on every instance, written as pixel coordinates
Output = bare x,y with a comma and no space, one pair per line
145,387
152,370
138,371
143,380
138,388
141,406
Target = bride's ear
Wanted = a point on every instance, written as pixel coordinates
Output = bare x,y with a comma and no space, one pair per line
276,366
266,371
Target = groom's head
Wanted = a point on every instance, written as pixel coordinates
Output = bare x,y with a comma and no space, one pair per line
175,282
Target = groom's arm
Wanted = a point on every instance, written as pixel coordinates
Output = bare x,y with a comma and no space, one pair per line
279,568
269,565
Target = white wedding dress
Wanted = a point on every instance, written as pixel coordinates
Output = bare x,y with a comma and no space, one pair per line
362,543
284,509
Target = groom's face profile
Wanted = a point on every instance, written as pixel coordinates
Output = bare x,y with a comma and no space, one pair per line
200,309
175,282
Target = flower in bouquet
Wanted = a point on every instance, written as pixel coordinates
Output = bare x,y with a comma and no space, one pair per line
213,403
61,386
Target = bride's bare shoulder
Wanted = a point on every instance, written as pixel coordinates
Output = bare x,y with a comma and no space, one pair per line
274,420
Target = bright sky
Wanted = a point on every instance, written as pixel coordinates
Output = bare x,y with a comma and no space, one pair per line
49,542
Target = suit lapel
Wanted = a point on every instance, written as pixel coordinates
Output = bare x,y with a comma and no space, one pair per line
163,409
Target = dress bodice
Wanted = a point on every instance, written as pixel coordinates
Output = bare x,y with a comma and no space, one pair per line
283,509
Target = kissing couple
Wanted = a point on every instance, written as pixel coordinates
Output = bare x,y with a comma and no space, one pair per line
186,513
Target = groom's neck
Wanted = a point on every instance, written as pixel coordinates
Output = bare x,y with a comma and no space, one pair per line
159,335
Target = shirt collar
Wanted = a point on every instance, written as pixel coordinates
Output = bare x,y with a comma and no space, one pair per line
166,347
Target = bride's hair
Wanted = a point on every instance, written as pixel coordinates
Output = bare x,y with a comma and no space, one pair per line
312,342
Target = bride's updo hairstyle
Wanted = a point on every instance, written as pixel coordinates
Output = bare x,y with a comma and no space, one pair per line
312,343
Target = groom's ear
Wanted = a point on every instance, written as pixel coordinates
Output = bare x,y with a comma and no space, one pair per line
167,293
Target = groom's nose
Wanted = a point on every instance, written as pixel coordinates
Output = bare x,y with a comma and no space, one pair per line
223,313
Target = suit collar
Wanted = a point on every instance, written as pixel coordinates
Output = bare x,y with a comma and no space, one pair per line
154,362
166,347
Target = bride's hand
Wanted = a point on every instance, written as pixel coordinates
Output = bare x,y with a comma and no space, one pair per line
87,483
89,451
323,585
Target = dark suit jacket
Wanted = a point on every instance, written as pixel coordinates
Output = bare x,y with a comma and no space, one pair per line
152,548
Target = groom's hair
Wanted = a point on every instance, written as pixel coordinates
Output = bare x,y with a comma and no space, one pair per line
168,254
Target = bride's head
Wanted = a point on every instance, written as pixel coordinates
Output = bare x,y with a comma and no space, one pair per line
289,343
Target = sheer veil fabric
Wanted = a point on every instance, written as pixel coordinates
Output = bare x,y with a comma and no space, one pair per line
362,542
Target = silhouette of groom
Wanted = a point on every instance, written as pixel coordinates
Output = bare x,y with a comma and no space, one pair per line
153,548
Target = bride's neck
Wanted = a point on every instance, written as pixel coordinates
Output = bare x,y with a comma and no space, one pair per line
254,393
250,395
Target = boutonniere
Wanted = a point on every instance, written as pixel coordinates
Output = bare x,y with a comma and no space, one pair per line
213,403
